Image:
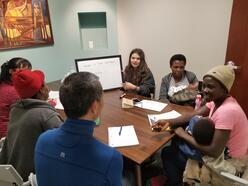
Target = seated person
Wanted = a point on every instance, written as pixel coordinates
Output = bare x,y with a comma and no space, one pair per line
7,91
29,117
178,79
71,155
137,76
231,126
202,130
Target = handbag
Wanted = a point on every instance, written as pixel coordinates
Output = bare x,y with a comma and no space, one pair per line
184,97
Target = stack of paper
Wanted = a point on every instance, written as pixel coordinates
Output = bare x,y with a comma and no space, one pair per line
151,105
122,136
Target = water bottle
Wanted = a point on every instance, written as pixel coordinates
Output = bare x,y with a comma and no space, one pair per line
98,121
198,101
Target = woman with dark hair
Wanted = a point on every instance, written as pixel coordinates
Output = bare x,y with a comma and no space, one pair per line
22,63
7,90
30,113
231,127
137,76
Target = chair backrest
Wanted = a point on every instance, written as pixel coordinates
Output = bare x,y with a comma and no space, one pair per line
32,180
234,178
1,143
200,86
153,93
9,176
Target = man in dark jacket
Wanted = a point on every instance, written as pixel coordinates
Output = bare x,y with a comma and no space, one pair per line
71,155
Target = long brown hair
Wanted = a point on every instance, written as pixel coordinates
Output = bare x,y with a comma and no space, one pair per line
136,75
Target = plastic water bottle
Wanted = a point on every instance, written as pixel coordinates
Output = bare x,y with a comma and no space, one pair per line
98,121
198,101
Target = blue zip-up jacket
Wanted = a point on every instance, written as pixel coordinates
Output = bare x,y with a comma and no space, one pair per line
71,156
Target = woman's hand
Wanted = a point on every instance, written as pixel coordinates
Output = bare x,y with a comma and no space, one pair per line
129,86
179,131
160,125
192,86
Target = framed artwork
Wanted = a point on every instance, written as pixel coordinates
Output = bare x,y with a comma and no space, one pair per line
24,23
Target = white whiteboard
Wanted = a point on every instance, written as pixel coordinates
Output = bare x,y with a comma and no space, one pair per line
108,69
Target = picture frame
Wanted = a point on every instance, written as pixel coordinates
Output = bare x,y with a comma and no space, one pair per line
107,68
24,23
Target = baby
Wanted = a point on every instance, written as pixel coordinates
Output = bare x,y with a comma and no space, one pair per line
202,130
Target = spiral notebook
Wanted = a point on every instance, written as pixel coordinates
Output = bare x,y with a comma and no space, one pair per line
122,136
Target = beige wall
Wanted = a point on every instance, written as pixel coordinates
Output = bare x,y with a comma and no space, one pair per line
196,28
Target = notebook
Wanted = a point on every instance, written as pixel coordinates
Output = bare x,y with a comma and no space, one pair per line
122,136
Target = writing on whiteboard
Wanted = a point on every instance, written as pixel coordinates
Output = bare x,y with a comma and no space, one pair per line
108,69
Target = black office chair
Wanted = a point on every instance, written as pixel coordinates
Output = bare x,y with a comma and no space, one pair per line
200,86
153,93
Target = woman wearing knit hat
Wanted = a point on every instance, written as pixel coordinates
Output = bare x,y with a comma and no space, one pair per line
29,117
7,90
231,125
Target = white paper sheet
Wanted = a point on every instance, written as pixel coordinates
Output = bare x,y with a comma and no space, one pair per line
167,115
151,105
127,137
54,95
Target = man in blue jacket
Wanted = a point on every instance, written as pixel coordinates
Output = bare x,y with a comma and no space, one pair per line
70,155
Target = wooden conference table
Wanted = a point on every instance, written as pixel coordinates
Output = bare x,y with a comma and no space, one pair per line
114,115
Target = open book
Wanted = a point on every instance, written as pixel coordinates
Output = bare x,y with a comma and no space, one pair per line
122,136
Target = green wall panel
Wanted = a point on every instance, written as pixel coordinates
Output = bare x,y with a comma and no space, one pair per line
56,60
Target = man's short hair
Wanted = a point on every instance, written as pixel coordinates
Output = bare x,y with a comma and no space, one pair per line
177,57
78,92
203,131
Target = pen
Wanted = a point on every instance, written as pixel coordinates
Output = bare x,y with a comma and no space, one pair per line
120,130
121,96
153,120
